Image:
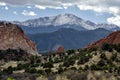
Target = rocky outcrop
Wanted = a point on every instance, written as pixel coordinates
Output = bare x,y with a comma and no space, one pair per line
13,37
60,49
113,38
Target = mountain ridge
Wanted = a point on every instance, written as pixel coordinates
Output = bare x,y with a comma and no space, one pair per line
64,21
67,37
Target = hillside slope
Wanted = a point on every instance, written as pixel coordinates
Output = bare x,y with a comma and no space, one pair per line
68,38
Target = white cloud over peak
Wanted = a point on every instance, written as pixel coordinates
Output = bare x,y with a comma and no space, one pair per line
28,13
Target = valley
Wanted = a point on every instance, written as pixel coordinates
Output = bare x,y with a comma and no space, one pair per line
66,37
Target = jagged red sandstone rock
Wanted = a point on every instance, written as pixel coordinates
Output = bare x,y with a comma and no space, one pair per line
113,38
13,37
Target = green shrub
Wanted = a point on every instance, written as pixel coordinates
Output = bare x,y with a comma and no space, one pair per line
9,78
83,60
69,62
107,46
48,71
48,65
103,56
9,70
86,67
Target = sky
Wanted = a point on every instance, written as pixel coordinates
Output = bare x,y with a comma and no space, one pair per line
98,11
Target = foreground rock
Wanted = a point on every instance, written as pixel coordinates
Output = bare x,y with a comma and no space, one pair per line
13,37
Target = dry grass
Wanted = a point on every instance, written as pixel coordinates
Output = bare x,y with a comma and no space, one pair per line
10,63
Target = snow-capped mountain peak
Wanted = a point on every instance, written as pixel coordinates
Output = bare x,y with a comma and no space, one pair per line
59,20
68,20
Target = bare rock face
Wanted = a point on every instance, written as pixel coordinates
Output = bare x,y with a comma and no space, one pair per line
113,38
13,37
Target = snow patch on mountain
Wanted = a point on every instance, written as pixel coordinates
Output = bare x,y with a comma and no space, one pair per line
112,27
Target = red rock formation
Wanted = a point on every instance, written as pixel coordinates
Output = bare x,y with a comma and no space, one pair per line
60,49
113,38
11,36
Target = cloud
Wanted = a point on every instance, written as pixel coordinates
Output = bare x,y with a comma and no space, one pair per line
110,6
29,7
44,7
99,6
96,5
28,13
2,4
114,20
15,12
6,8
40,7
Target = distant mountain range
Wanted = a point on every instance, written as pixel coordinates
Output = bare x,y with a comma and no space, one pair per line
54,23
65,30
67,37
